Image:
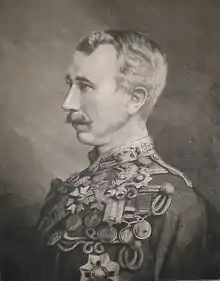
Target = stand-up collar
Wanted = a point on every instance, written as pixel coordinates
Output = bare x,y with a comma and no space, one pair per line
125,153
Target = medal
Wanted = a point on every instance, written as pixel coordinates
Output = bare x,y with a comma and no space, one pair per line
107,234
73,223
142,230
126,235
92,219
100,267
55,238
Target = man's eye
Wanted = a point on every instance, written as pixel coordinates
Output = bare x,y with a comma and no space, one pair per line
84,87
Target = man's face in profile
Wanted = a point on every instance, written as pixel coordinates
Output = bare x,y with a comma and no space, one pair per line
96,107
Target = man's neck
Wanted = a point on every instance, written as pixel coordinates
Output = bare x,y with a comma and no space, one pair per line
135,129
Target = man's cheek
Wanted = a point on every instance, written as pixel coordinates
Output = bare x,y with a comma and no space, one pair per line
91,111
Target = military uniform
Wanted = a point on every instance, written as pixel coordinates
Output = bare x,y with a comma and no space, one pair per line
128,216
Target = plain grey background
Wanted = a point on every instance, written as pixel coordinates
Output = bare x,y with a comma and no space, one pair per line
37,39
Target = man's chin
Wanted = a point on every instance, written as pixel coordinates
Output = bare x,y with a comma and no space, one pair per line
86,138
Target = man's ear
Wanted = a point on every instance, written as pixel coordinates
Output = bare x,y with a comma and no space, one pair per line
138,99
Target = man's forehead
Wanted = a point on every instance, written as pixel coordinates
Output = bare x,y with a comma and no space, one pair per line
103,59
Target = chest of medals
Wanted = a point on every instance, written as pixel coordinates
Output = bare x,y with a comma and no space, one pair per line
110,207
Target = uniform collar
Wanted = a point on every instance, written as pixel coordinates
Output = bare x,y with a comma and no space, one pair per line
125,153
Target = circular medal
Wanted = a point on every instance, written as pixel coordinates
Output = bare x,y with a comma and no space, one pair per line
99,273
73,223
107,234
93,219
126,235
142,230
55,238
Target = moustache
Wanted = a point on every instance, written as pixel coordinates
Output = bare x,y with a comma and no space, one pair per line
75,118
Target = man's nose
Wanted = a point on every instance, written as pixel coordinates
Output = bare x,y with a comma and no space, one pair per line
72,101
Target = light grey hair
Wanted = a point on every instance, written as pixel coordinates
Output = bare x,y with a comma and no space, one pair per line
142,62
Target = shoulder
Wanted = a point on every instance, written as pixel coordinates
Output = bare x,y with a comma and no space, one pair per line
184,198
186,215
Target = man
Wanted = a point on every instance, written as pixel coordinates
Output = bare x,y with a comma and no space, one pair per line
129,215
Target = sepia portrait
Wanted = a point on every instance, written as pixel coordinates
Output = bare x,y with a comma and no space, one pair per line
110,140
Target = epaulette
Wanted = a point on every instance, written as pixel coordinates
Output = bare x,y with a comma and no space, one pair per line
156,158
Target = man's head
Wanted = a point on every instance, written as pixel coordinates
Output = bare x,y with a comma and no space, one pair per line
116,76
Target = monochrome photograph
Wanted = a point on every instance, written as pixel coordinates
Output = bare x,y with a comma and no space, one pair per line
110,140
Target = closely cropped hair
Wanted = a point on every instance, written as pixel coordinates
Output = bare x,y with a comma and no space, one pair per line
142,63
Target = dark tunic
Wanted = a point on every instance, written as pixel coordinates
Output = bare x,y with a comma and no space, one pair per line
128,216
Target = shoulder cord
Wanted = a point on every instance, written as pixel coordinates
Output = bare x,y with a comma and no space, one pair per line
156,158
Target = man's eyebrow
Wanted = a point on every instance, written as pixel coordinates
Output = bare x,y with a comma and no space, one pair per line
85,80
68,79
